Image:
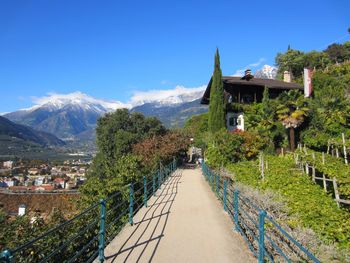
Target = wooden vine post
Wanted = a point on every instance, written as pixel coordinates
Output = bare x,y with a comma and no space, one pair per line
262,167
336,193
323,158
328,147
324,182
344,148
313,167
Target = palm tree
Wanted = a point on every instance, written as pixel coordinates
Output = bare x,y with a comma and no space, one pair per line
292,111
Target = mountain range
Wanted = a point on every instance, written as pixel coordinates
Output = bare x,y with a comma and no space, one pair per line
73,117
172,115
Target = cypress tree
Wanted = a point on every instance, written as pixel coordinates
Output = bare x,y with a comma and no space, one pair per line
216,120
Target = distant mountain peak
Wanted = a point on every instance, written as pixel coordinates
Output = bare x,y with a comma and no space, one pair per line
266,72
56,101
179,94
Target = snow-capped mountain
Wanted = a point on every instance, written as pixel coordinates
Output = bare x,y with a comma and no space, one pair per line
81,100
266,72
65,115
174,96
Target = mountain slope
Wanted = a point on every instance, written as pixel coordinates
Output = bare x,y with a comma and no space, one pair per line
173,115
10,129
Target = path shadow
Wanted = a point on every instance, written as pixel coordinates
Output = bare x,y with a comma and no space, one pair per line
154,221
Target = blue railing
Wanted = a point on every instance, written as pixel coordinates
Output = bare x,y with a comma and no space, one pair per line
265,237
84,237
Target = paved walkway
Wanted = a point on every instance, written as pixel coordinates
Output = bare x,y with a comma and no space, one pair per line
184,222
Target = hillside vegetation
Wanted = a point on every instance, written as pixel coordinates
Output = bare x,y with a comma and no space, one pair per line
317,121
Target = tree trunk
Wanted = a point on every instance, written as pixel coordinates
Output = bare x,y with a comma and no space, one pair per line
292,139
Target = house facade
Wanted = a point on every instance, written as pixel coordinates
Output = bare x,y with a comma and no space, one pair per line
247,90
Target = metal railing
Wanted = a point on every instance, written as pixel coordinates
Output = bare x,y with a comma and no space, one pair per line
265,237
84,237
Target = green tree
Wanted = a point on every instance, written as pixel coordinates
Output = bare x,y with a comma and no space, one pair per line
113,165
224,148
292,111
317,60
337,52
329,108
216,119
197,126
292,60
116,132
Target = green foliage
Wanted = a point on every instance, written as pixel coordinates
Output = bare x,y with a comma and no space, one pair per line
330,109
226,148
114,166
124,170
305,200
292,60
295,60
333,167
337,52
291,111
260,119
116,132
197,127
216,119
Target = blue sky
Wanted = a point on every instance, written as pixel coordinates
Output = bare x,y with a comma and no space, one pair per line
112,49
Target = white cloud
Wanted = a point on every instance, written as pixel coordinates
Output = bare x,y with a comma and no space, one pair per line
240,72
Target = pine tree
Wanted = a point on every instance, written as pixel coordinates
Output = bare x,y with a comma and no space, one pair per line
216,106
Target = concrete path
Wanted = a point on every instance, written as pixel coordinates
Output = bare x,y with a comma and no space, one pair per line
184,222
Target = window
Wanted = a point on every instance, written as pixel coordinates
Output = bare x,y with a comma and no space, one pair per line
232,121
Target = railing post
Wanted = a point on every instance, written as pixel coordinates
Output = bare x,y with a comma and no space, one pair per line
6,256
159,179
160,174
145,191
235,209
131,204
224,195
217,184
101,245
154,185
262,215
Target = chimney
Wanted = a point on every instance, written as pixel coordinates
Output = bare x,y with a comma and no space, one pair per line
22,210
286,76
247,75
